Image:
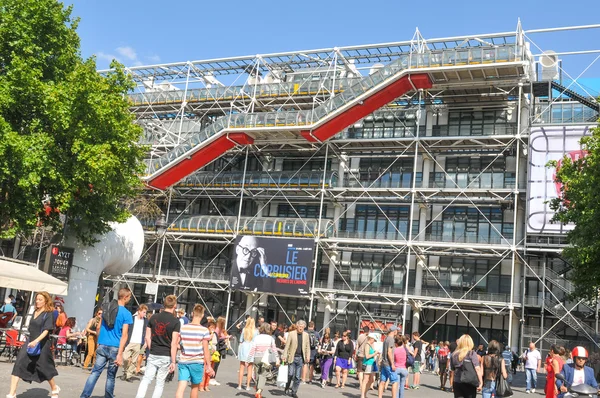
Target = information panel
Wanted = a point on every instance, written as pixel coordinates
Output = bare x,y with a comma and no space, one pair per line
272,265
545,144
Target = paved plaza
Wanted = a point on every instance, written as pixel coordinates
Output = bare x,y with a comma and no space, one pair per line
72,379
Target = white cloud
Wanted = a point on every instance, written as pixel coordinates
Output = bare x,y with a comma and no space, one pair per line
127,52
127,56
106,57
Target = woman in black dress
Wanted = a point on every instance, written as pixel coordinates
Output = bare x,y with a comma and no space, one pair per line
37,368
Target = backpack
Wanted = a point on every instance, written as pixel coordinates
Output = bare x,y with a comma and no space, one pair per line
109,313
313,341
410,359
468,375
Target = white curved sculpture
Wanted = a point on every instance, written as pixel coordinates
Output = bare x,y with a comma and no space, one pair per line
115,253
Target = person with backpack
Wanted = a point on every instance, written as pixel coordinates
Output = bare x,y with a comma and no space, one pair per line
467,372
401,362
361,341
114,329
492,364
313,339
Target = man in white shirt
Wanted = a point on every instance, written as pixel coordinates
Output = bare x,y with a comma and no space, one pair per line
533,365
135,342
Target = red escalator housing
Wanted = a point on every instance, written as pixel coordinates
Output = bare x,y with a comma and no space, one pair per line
368,106
200,159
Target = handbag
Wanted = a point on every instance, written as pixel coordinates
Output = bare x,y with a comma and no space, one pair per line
282,376
468,375
36,350
215,357
502,387
410,359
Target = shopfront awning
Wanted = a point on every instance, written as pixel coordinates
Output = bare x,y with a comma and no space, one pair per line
25,276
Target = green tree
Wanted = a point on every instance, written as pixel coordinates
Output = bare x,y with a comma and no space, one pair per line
579,203
66,133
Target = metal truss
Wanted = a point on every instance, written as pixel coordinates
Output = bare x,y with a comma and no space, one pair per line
174,101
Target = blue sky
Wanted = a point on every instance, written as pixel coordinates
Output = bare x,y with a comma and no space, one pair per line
151,31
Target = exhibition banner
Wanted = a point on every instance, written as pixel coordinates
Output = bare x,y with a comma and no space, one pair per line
545,144
272,265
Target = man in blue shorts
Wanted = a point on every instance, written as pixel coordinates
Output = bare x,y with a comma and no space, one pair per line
388,370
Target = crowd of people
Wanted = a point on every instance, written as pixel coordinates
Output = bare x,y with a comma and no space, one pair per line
298,354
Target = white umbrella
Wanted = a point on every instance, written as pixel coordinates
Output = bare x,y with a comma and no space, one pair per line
25,276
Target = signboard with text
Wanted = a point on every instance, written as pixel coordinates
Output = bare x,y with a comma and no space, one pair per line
59,261
272,265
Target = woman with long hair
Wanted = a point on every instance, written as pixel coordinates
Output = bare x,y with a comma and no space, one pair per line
554,366
326,350
68,338
248,334
464,352
222,346
343,359
400,355
39,368
492,364
370,354
92,339
261,344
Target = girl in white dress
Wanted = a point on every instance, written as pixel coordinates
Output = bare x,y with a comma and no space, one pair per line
248,334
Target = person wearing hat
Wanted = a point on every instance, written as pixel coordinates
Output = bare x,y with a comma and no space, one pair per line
387,366
576,373
369,356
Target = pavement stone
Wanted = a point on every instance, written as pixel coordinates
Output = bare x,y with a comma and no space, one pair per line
72,379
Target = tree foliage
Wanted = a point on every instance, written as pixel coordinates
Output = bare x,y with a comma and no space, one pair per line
579,203
66,133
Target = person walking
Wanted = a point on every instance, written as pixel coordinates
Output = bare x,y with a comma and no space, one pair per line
369,356
326,350
314,338
464,352
400,355
38,367
135,342
361,341
211,324
194,362
507,356
111,343
92,339
553,368
492,364
533,365
387,364
248,334
296,353
262,345
162,338
343,359
222,346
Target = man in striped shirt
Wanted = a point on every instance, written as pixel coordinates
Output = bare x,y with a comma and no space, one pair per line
194,340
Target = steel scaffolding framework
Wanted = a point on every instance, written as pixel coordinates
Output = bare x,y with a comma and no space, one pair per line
275,100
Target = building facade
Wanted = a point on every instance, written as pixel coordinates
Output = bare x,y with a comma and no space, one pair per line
409,164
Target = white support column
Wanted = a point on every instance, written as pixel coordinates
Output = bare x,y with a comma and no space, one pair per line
418,276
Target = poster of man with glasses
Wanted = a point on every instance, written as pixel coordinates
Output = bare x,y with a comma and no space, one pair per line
272,265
